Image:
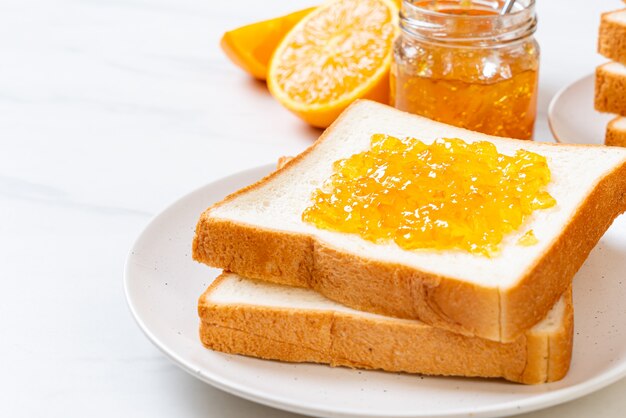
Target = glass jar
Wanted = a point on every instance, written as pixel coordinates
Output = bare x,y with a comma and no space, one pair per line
462,63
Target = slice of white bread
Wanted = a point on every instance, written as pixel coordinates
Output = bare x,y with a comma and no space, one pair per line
243,316
610,90
616,132
612,35
258,233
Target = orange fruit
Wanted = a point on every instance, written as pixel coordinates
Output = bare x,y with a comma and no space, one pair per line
338,53
250,47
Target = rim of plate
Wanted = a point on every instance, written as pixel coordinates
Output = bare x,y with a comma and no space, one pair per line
528,404
553,102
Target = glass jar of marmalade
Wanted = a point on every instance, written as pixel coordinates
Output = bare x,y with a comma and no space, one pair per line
463,63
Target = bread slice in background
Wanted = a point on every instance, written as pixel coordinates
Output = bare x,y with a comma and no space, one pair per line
610,89
616,132
243,316
258,233
612,36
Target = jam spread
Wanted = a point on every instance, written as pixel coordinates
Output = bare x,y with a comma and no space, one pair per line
449,194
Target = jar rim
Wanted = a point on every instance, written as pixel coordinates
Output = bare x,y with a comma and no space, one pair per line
488,29
435,13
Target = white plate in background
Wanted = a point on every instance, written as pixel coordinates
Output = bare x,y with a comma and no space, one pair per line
572,117
163,284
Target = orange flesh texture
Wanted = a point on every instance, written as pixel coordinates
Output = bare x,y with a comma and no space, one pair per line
250,47
446,195
335,55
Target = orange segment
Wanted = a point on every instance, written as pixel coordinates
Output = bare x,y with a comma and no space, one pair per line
338,53
250,47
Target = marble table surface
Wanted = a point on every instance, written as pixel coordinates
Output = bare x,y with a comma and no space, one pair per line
110,110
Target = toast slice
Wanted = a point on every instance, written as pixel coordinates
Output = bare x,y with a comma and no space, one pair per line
616,132
612,35
258,232
269,321
610,90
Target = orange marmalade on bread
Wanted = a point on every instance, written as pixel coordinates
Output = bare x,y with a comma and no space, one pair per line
449,194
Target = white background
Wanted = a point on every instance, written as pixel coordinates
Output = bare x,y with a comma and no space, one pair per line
110,110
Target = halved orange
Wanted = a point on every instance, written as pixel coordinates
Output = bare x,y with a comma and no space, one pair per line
250,47
338,53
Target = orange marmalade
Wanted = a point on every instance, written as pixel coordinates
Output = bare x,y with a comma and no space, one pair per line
449,194
462,63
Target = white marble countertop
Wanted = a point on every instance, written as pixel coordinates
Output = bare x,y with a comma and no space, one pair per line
111,109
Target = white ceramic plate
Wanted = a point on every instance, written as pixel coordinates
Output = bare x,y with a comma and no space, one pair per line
163,283
572,117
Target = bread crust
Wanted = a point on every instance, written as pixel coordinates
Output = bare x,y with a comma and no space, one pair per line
615,136
610,90
343,339
396,290
612,38
553,273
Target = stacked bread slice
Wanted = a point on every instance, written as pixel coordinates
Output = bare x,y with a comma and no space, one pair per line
294,292
278,322
610,93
